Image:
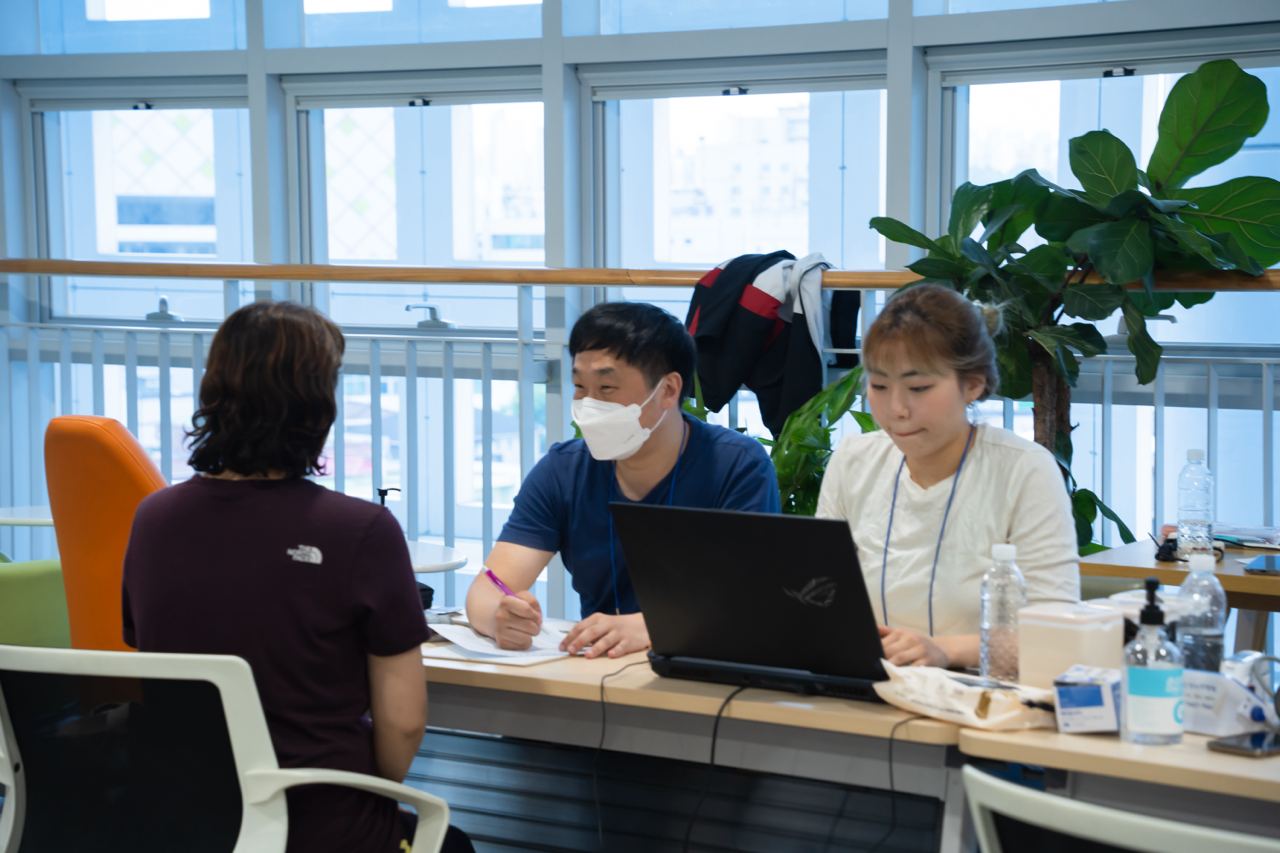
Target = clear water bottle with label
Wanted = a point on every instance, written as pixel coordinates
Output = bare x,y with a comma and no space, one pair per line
1200,630
1152,680
1004,593
1195,506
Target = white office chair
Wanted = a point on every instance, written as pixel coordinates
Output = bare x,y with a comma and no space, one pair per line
990,797
126,751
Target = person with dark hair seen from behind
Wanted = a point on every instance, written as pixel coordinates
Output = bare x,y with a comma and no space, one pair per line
633,366
313,588
930,492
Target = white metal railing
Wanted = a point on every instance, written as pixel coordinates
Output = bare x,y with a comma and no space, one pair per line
146,374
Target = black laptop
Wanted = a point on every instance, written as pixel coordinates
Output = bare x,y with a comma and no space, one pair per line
774,601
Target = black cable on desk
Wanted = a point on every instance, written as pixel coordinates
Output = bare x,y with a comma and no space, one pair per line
711,767
893,794
595,762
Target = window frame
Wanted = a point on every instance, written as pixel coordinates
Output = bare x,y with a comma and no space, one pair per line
39,98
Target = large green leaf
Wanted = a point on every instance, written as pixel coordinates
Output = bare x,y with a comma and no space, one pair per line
1246,208
1146,352
1013,210
1206,118
1189,240
1014,362
1047,263
968,206
1059,216
1054,341
1081,337
1092,301
1084,509
1191,299
900,232
1130,201
1088,339
1126,535
1122,251
939,268
1103,164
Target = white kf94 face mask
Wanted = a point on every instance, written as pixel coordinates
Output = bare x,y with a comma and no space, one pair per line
612,431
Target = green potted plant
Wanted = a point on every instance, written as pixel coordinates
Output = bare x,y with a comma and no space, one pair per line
1125,225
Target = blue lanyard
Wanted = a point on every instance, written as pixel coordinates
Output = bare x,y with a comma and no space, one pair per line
933,573
613,488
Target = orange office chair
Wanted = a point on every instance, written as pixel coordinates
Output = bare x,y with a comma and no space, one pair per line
97,475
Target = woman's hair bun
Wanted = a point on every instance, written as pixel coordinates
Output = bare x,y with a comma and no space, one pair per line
993,316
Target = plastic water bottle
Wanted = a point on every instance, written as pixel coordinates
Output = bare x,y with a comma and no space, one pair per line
1195,506
1200,631
1004,593
1152,680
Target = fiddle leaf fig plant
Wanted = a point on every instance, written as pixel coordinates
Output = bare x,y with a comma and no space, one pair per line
1123,225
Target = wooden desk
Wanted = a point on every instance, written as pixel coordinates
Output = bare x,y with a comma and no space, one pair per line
1254,595
1182,782
835,740
841,741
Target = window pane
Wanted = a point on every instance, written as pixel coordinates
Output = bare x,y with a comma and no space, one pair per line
123,26
331,23
158,185
952,7
705,179
145,10
608,17
1016,126
436,186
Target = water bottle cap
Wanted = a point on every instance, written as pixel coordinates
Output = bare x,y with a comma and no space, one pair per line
1004,551
1195,455
1201,562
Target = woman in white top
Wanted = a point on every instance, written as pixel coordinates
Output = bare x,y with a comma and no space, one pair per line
928,494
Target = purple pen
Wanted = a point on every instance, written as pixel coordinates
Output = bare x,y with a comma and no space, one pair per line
497,581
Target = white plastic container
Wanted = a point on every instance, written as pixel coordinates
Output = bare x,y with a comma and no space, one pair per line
1056,636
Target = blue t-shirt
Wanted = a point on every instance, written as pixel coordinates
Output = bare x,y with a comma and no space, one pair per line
563,504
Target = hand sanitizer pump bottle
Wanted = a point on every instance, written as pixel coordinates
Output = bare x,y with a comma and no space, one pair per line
1152,680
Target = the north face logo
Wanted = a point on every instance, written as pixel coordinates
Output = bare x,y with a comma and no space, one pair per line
819,592
306,554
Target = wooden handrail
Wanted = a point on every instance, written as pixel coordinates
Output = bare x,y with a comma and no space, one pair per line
584,277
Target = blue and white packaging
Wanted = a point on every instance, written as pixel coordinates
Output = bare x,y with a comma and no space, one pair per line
1087,699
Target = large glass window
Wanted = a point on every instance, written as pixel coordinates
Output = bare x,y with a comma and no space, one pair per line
952,7
454,186
331,23
609,17
160,185
703,179
121,26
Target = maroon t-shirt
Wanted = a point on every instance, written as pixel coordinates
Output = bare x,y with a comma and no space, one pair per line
303,583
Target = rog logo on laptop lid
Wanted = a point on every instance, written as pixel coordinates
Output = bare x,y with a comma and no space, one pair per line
818,592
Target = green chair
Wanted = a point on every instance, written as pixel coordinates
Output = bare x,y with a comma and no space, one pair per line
33,605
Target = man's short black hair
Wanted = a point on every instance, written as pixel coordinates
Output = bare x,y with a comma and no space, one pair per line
643,335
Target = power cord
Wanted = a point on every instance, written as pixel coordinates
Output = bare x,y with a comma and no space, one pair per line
595,762
711,767
893,793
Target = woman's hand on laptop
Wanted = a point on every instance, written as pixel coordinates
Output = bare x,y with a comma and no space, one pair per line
904,647
605,634
517,619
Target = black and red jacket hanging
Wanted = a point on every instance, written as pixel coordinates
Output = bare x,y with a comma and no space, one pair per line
759,320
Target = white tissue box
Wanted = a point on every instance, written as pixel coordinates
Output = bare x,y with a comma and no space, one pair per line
1057,635
1087,699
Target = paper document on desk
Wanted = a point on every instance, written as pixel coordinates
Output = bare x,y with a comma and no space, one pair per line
1251,537
546,644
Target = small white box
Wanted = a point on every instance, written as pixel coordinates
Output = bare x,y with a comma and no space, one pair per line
1058,635
1087,699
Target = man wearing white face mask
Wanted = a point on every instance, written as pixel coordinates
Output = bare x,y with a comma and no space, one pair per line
633,365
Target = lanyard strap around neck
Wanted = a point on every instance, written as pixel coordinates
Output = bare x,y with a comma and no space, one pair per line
613,491
970,440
